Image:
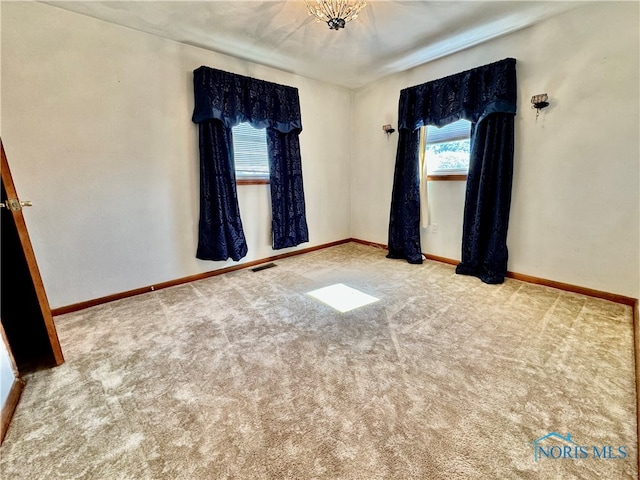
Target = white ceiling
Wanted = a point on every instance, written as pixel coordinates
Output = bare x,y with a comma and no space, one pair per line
387,37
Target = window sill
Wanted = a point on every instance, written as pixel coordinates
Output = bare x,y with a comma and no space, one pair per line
252,181
447,178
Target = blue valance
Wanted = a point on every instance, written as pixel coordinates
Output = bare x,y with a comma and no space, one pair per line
233,99
472,95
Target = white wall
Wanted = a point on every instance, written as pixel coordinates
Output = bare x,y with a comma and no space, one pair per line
96,124
575,207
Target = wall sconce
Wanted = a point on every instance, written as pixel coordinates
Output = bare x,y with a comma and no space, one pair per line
539,102
388,129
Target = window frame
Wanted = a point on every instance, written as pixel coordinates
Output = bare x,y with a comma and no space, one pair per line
252,181
455,175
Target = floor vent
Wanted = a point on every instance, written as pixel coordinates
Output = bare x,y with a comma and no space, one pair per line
264,267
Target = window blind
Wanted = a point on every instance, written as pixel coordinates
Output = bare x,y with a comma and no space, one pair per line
250,151
457,130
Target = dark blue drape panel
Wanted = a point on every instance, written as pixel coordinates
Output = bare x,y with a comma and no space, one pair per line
224,100
475,95
233,99
488,199
289,222
220,234
472,95
404,221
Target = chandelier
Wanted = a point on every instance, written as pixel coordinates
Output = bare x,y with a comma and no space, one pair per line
335,13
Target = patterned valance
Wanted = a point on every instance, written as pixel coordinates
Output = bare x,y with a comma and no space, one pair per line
233,98
472,95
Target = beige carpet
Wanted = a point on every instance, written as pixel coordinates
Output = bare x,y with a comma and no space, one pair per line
246,376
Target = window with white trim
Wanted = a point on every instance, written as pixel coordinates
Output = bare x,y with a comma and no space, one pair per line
447,149
250,153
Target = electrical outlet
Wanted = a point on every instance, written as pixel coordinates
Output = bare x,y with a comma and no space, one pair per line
434,228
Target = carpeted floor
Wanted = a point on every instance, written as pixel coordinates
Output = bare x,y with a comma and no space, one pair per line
246,376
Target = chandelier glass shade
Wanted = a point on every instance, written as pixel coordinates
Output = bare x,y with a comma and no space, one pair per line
335,13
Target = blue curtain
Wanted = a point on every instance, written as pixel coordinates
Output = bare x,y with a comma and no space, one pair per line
289,224
476,95
220,234
404,224
223,100
488,200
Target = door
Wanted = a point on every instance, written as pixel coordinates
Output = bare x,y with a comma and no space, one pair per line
24,308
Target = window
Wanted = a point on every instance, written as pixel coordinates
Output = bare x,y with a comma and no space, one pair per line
447,150
250,154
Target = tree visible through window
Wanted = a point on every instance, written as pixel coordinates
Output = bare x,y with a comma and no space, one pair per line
447,149
250,153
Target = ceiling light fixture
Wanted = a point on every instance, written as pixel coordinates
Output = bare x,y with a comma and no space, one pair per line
335,13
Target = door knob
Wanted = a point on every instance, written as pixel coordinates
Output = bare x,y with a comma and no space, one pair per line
15,205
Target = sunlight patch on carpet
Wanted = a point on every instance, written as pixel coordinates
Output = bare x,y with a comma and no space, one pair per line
342,298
